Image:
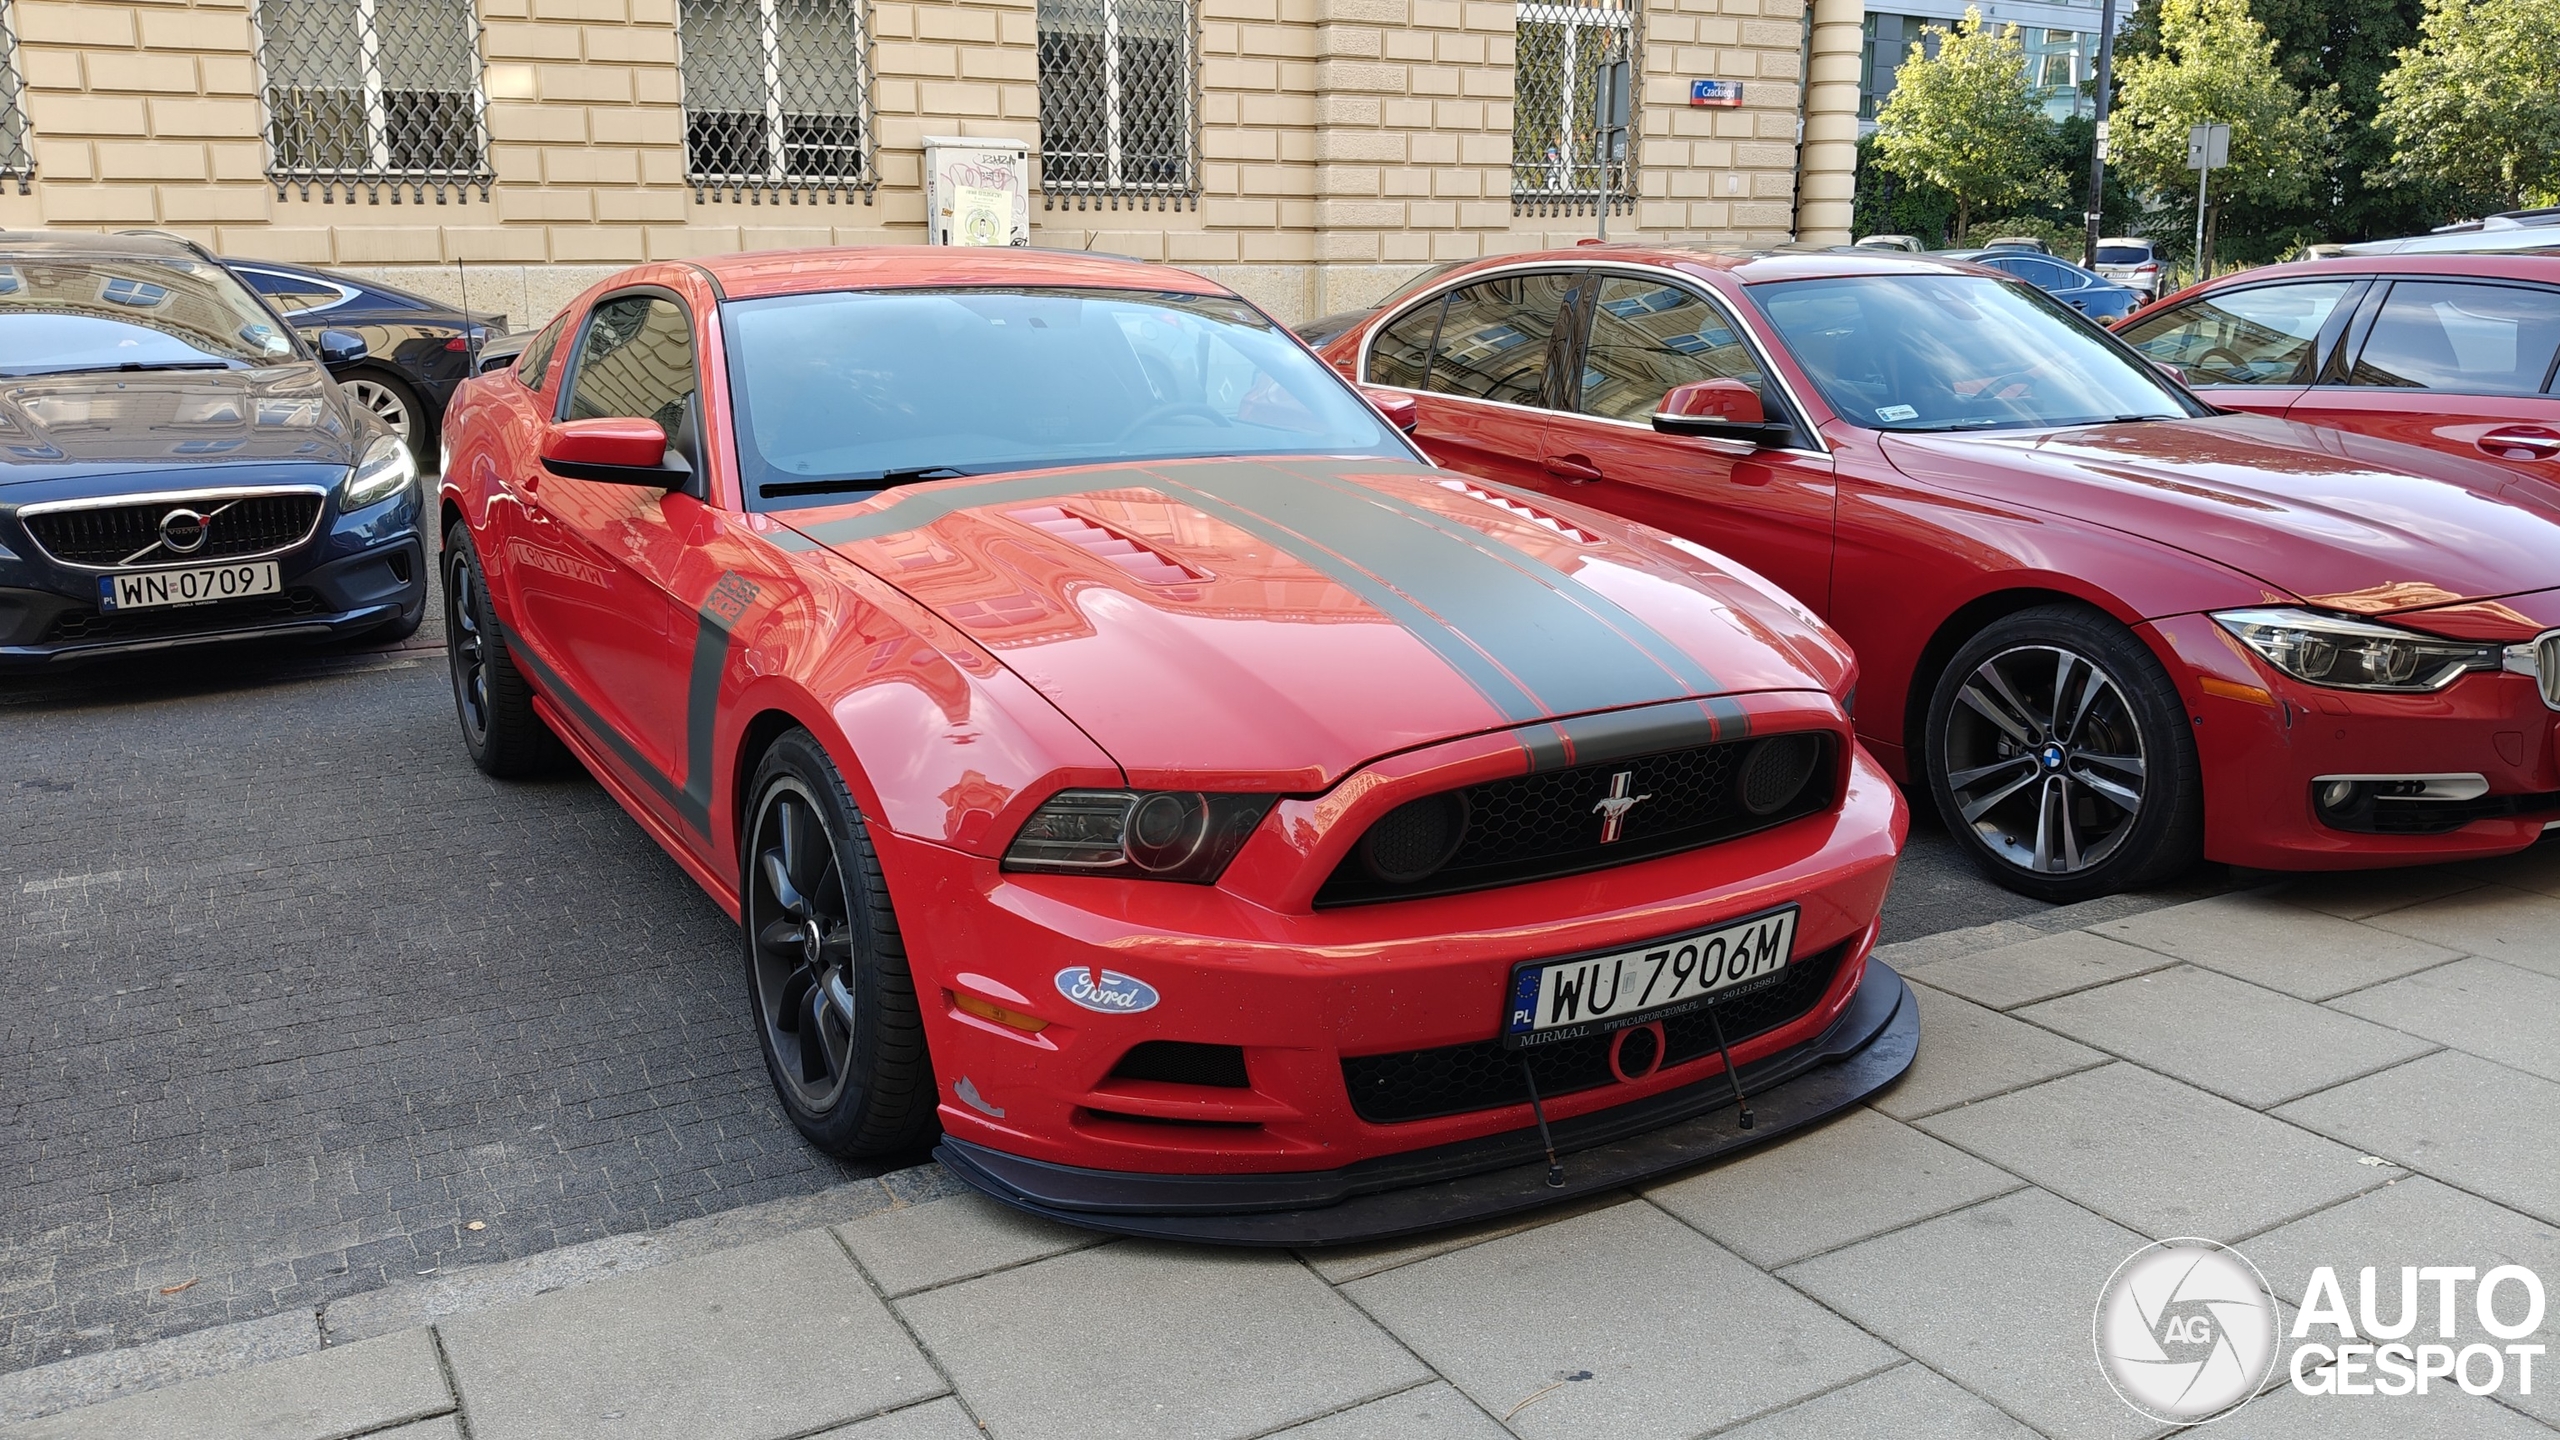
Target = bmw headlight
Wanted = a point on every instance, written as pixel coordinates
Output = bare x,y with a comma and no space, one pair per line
1138,834
2345,654
386,467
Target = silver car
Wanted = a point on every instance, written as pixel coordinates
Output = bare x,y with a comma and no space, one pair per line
2131,263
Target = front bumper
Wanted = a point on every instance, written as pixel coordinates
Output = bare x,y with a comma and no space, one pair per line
1865,1049
2263,738
357,573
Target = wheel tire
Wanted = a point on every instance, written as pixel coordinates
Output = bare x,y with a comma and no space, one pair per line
491,697
2046,789
400,406
824,959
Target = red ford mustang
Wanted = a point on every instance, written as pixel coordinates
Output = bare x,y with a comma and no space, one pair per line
2106,627
1120,748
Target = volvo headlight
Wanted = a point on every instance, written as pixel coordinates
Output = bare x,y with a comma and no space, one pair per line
386,467
1139,834
2345,654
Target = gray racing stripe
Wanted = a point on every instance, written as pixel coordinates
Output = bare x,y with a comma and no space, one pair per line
925,504
1564,654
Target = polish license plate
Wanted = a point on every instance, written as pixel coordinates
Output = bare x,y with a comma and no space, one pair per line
1553,1000
197,585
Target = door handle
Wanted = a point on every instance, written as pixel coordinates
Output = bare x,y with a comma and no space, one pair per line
2522,442
1576,468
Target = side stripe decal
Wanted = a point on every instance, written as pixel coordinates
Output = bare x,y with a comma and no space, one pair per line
556,689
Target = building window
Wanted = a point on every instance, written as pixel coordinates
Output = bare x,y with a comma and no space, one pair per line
1556,164
777,99
1119,103
17,159
379,93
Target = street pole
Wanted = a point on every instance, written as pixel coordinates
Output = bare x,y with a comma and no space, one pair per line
2098,152
2204,179
1612,84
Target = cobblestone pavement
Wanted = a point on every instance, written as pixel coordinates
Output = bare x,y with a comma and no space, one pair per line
298,999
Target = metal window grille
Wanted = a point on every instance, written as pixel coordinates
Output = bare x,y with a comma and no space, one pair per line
1119,104
777,100
1556,166
382,94
17,158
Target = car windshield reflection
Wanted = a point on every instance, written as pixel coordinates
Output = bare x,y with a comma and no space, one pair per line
1958,352
853,391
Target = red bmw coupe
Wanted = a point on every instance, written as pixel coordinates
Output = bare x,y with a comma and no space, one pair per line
2107,627
1122,750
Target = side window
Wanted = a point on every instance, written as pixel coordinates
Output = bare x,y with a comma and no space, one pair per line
1648,336
291,293
637,360
1493,338
535,362
2259,336
2472,339
1400,354
2045,275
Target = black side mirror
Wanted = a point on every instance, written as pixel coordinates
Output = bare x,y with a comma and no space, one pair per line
341,347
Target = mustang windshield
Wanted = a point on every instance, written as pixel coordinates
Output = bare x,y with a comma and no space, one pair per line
851,391
1958,352
130,313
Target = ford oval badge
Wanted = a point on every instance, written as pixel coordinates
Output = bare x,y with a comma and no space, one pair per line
1118,994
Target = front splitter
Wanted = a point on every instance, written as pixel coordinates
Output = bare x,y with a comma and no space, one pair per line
1863,1051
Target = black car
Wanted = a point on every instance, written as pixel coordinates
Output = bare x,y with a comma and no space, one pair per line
177,467
416,349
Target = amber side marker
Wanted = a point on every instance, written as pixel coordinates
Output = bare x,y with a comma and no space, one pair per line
1001,1014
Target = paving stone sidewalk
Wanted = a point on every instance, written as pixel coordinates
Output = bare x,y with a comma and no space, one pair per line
2347,1071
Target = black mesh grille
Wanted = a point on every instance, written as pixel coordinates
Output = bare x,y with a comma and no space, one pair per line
1454,1079
87,624
2436,817
109,535
1532,827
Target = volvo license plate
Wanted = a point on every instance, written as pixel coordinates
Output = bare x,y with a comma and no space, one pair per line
196,585
1554,1000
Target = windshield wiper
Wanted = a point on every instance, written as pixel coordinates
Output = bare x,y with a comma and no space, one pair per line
1951,425
777,489
122,367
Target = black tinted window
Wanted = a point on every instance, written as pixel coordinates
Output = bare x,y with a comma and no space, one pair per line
2258,336
535,362
1402,351
638,361
1647,337
292,292
2474,339
1493,340
2123,254
2044,274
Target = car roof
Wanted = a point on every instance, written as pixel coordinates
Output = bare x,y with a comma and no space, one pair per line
2493,266
1747,266
897,267
88,245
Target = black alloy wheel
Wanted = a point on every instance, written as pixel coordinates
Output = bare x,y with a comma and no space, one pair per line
491,697
2058,752
826,966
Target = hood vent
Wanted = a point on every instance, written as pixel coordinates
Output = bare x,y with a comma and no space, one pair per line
1140,560
1509,506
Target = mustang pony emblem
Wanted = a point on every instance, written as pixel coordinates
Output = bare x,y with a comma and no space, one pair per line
1613,807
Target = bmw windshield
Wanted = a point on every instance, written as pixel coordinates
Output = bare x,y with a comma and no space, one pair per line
851,391
1959,352
67,316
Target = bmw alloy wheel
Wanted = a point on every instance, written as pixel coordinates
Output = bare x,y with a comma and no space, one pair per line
2044,759
383,401
803,958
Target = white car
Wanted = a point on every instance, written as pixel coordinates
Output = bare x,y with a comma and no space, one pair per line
2132,263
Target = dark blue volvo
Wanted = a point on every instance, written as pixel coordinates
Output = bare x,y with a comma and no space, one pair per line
177,467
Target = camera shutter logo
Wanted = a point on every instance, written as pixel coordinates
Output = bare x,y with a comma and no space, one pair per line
2186,1331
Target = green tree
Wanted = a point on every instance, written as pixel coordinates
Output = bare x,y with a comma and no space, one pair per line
1967,122
2475,105
2215,64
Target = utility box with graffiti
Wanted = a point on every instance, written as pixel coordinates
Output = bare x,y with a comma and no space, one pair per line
977,192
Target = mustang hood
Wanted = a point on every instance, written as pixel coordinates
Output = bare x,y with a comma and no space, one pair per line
1301,617
63,427
2340,520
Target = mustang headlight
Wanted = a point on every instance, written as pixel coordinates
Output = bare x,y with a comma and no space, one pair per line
1141,834
387,465
2345,654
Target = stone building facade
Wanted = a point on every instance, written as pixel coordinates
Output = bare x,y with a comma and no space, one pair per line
1311,153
